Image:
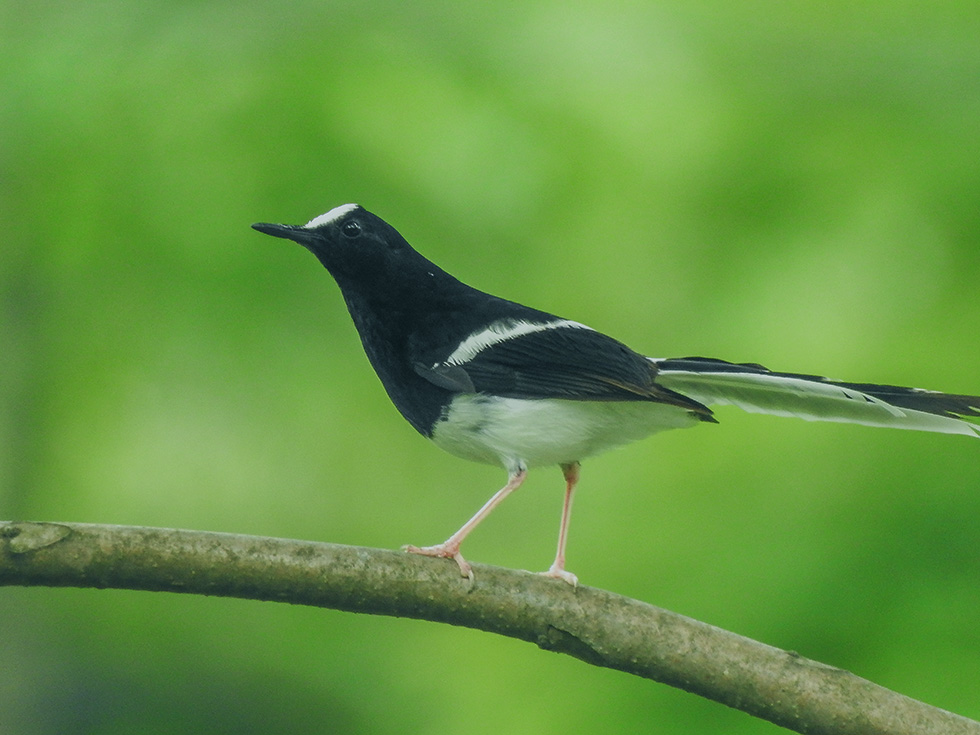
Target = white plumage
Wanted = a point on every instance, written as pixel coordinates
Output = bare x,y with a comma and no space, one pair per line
520,433
332,216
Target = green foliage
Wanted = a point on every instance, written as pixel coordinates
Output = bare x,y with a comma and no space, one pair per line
763,181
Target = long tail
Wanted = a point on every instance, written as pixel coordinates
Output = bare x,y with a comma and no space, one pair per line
756,389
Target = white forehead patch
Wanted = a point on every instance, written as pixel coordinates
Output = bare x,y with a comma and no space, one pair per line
501,331
331,216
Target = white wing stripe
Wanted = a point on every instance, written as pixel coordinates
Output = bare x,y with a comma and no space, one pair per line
501,331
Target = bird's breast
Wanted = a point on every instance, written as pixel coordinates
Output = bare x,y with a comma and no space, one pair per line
519,432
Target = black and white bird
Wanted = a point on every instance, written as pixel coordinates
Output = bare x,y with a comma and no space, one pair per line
493,381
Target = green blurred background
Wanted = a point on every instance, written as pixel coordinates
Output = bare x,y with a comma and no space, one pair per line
791,183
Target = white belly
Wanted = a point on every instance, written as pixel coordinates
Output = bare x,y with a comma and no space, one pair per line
518,432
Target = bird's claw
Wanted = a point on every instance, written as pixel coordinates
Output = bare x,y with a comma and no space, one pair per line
556,572
444,551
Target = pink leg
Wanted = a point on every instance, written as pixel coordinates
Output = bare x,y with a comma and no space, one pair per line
450,548
557,569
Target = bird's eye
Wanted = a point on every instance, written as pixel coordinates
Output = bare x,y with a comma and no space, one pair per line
351,228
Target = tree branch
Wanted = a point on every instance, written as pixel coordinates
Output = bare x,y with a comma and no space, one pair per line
596,626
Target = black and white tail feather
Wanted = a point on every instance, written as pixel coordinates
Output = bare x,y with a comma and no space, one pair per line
759,390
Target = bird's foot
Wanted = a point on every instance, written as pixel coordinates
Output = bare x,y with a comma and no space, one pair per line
558,572
444,551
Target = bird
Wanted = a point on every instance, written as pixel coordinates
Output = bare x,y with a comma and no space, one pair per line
493,381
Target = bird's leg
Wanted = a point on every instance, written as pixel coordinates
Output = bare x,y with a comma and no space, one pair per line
557,570
450,547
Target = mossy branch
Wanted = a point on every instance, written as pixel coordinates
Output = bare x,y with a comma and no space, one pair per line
598,627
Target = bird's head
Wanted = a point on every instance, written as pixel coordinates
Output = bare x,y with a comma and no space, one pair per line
351,243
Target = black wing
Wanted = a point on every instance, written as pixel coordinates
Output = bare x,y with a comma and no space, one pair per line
560,360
